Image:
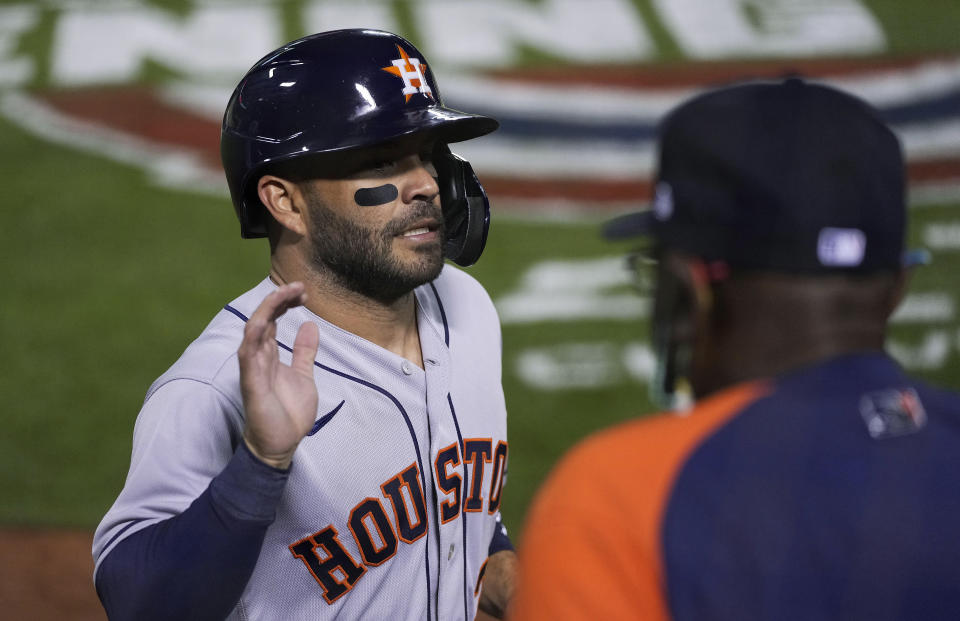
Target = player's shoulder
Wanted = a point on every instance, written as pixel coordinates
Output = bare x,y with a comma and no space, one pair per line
211,358
457,298
454,281
660,442
939,403
938,396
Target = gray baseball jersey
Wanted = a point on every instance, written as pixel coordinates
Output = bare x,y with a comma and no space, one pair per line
393,497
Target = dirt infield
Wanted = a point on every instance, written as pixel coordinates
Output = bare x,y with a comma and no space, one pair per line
46,575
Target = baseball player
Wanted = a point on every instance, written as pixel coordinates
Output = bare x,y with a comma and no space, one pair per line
812,479
334,444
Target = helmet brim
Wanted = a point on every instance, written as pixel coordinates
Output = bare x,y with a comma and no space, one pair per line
447,124
443,124
437,123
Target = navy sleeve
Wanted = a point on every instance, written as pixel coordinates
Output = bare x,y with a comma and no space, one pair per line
500,540
195,565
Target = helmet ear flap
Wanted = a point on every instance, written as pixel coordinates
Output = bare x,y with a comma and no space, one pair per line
466,210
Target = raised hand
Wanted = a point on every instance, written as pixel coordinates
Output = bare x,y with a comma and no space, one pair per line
280,401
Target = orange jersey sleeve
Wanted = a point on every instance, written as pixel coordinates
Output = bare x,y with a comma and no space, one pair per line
591,545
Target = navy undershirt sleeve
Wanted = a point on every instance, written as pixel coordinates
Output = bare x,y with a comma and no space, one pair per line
500,540
195,565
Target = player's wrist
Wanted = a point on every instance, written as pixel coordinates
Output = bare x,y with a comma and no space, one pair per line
280,461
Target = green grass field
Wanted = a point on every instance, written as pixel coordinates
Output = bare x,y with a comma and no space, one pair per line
107,278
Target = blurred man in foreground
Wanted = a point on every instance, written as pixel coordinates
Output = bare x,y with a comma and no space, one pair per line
812,479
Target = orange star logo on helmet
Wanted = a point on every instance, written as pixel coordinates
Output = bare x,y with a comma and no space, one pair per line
410,70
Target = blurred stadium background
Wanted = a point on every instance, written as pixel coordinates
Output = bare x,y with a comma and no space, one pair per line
119,242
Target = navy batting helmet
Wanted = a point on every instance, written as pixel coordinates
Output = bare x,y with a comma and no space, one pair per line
318,98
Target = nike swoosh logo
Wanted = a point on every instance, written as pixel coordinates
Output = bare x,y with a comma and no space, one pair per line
326,418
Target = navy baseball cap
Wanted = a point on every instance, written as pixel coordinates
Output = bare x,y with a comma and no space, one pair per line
788,176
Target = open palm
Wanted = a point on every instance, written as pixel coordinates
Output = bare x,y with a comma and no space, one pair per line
279,400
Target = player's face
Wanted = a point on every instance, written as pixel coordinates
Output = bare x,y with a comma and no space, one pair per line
379,231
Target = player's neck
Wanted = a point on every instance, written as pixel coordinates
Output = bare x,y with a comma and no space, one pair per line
392,326
737,360
773,334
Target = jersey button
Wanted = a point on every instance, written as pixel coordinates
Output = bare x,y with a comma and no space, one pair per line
450,553
406,367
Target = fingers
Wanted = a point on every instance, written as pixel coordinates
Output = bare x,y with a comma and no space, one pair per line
280,401
305,348
278,302
261,327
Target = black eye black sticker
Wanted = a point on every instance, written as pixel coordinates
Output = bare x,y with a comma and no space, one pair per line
380,195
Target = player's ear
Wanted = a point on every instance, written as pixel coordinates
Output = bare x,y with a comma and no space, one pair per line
694,293
285,202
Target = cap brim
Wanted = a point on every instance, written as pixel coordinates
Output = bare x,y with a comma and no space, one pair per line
628,226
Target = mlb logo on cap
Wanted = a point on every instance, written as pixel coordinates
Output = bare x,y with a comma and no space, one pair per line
841,247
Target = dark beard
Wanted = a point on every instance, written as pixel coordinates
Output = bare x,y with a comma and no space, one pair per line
362,260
